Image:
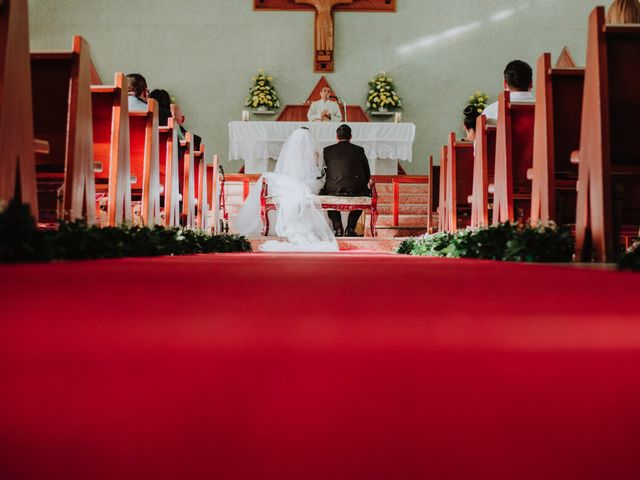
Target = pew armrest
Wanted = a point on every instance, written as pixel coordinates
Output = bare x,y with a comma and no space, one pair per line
575,157
41,146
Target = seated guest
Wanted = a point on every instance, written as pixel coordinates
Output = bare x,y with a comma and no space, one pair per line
518,79
179,117
624,11
324,110
164,101
348,175
470,114
138,92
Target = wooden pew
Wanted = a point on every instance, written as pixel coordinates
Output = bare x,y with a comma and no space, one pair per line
556,135
459,174
434,192
213,172
17,145
61,91
609,154
514,158
188,182
111,149
169,162
202,194
483,172
145,163
443,218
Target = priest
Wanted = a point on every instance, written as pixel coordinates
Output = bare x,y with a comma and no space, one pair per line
324,110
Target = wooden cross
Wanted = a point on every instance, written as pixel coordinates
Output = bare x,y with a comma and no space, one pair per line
324,30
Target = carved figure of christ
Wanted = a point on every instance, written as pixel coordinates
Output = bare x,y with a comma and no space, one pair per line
324,29
324,22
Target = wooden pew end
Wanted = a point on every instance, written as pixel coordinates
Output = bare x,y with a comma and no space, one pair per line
575,157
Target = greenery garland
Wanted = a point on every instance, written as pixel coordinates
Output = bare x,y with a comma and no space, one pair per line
508,242
22,241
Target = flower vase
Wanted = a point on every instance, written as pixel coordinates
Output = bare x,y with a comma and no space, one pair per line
383,109
262,108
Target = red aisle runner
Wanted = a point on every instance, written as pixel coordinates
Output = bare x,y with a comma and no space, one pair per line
318,367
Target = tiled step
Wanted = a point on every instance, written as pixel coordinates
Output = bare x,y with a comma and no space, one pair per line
404,221
348,244
387,188
404,209
393,232
404,198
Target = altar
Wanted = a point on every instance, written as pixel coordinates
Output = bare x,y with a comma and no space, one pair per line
258,144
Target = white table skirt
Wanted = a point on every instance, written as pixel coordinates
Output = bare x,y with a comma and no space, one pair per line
384,143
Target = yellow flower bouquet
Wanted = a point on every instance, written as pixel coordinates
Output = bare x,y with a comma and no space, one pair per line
382,94
479,100
262,93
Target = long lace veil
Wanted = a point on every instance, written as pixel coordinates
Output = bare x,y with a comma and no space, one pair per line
296,181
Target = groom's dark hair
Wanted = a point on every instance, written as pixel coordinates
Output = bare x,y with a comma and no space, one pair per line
343,132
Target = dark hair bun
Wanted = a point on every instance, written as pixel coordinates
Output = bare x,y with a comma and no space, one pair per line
471,112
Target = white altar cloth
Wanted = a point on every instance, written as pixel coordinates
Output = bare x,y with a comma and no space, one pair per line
384,143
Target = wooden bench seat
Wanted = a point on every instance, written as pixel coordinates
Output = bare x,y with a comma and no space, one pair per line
145,163
556,134
168,152
608,200
459,183
483,172
327,202
17,159
514,159
62,116
111,151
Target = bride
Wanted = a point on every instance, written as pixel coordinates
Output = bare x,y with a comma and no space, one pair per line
297,179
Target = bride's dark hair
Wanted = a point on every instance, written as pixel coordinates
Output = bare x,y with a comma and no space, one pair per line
470,114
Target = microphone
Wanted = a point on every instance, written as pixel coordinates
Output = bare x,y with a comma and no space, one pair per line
333,97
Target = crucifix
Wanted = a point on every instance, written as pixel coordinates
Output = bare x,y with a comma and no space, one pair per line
324,30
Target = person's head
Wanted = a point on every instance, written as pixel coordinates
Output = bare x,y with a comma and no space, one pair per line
624,11
470,115
176,111
518,76
162,97
343,133
325,93
138,86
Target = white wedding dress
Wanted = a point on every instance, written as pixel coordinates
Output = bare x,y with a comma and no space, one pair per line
294,183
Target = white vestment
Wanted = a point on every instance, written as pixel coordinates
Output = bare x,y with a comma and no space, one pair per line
491,112
316,109
137,105
294,185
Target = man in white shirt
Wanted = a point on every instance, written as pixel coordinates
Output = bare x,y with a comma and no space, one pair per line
518,79
138,93
324,110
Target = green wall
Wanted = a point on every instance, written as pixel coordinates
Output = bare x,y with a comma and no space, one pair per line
205,52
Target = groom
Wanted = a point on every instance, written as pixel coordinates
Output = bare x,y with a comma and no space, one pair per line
347,175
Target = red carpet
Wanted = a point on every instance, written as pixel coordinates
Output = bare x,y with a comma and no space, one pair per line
310,367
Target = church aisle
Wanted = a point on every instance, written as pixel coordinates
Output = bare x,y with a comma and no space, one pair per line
341,366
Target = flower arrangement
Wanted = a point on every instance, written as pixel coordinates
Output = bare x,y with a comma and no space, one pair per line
262,93
479,100
382,93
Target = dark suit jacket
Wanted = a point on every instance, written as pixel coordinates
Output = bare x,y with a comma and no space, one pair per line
348,171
